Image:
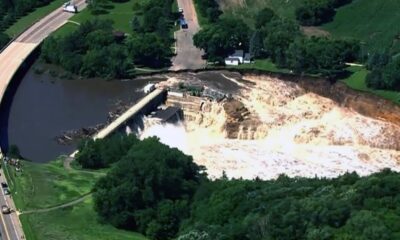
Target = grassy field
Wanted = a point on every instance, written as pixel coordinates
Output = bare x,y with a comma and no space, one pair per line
75,222
65,29
260,64
32,17
357,81
120,13
375,22
45,185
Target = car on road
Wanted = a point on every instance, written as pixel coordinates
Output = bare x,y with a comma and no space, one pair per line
5,209
6,191
4,185
180,10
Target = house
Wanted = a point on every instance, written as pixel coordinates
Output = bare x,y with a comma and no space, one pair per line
238,57
232,61
247,58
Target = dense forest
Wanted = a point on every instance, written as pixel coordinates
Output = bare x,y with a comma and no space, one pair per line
161,193
95,49
384,72
317,12
11,10
208,9
4,39
279,39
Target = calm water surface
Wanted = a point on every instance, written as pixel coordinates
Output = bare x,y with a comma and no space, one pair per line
43,107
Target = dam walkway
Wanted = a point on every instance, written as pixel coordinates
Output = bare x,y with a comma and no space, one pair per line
150,101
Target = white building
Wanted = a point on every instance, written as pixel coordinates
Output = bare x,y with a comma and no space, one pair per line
232,61
238,57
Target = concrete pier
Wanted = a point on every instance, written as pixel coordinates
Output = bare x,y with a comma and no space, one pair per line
144,106
134,110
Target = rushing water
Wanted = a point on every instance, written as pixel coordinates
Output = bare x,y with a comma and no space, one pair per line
43,107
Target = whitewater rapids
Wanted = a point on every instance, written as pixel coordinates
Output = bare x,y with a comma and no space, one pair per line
286,130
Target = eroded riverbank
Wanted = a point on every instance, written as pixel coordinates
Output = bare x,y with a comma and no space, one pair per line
274,126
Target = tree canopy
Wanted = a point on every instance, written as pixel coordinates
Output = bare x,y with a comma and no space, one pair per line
148,190
222,38
162,193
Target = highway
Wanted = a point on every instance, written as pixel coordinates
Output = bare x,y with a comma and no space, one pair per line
10,60
16,53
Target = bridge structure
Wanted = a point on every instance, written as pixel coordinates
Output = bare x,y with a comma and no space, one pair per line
11,59
147,104
18,50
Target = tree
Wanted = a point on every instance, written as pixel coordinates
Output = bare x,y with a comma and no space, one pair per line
315,12
4,39
256,48
222,38
149,49
14,152
150,177
136,25
279,34
263,17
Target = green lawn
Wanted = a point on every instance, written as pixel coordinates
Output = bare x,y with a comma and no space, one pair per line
376,22
357,81
284,8
120,13
65,29
44,185
75,222
261,64
26,21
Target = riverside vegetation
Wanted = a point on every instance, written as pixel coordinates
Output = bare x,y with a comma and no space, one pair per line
280,35
161,193
94,50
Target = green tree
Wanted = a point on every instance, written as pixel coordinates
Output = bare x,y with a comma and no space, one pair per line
222,38
263,17
151,176
256,47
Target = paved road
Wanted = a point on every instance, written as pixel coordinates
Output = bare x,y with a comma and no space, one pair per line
188,56
16,53
10,225
10,60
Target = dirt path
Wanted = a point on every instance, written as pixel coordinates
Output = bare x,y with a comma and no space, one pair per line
188,56
68,204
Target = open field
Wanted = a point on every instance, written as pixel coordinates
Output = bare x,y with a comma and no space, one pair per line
45,185
75,222
248,8
120,13
374,22
357,81
32,17
371,21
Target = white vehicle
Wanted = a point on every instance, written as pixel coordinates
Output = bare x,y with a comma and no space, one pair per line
180,10
149,88
70,7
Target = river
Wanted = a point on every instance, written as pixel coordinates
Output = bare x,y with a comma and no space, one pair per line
44,107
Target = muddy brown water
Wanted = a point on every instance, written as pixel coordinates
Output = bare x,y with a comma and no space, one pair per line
43,107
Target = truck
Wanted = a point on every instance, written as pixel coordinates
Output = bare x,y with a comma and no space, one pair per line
70,7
